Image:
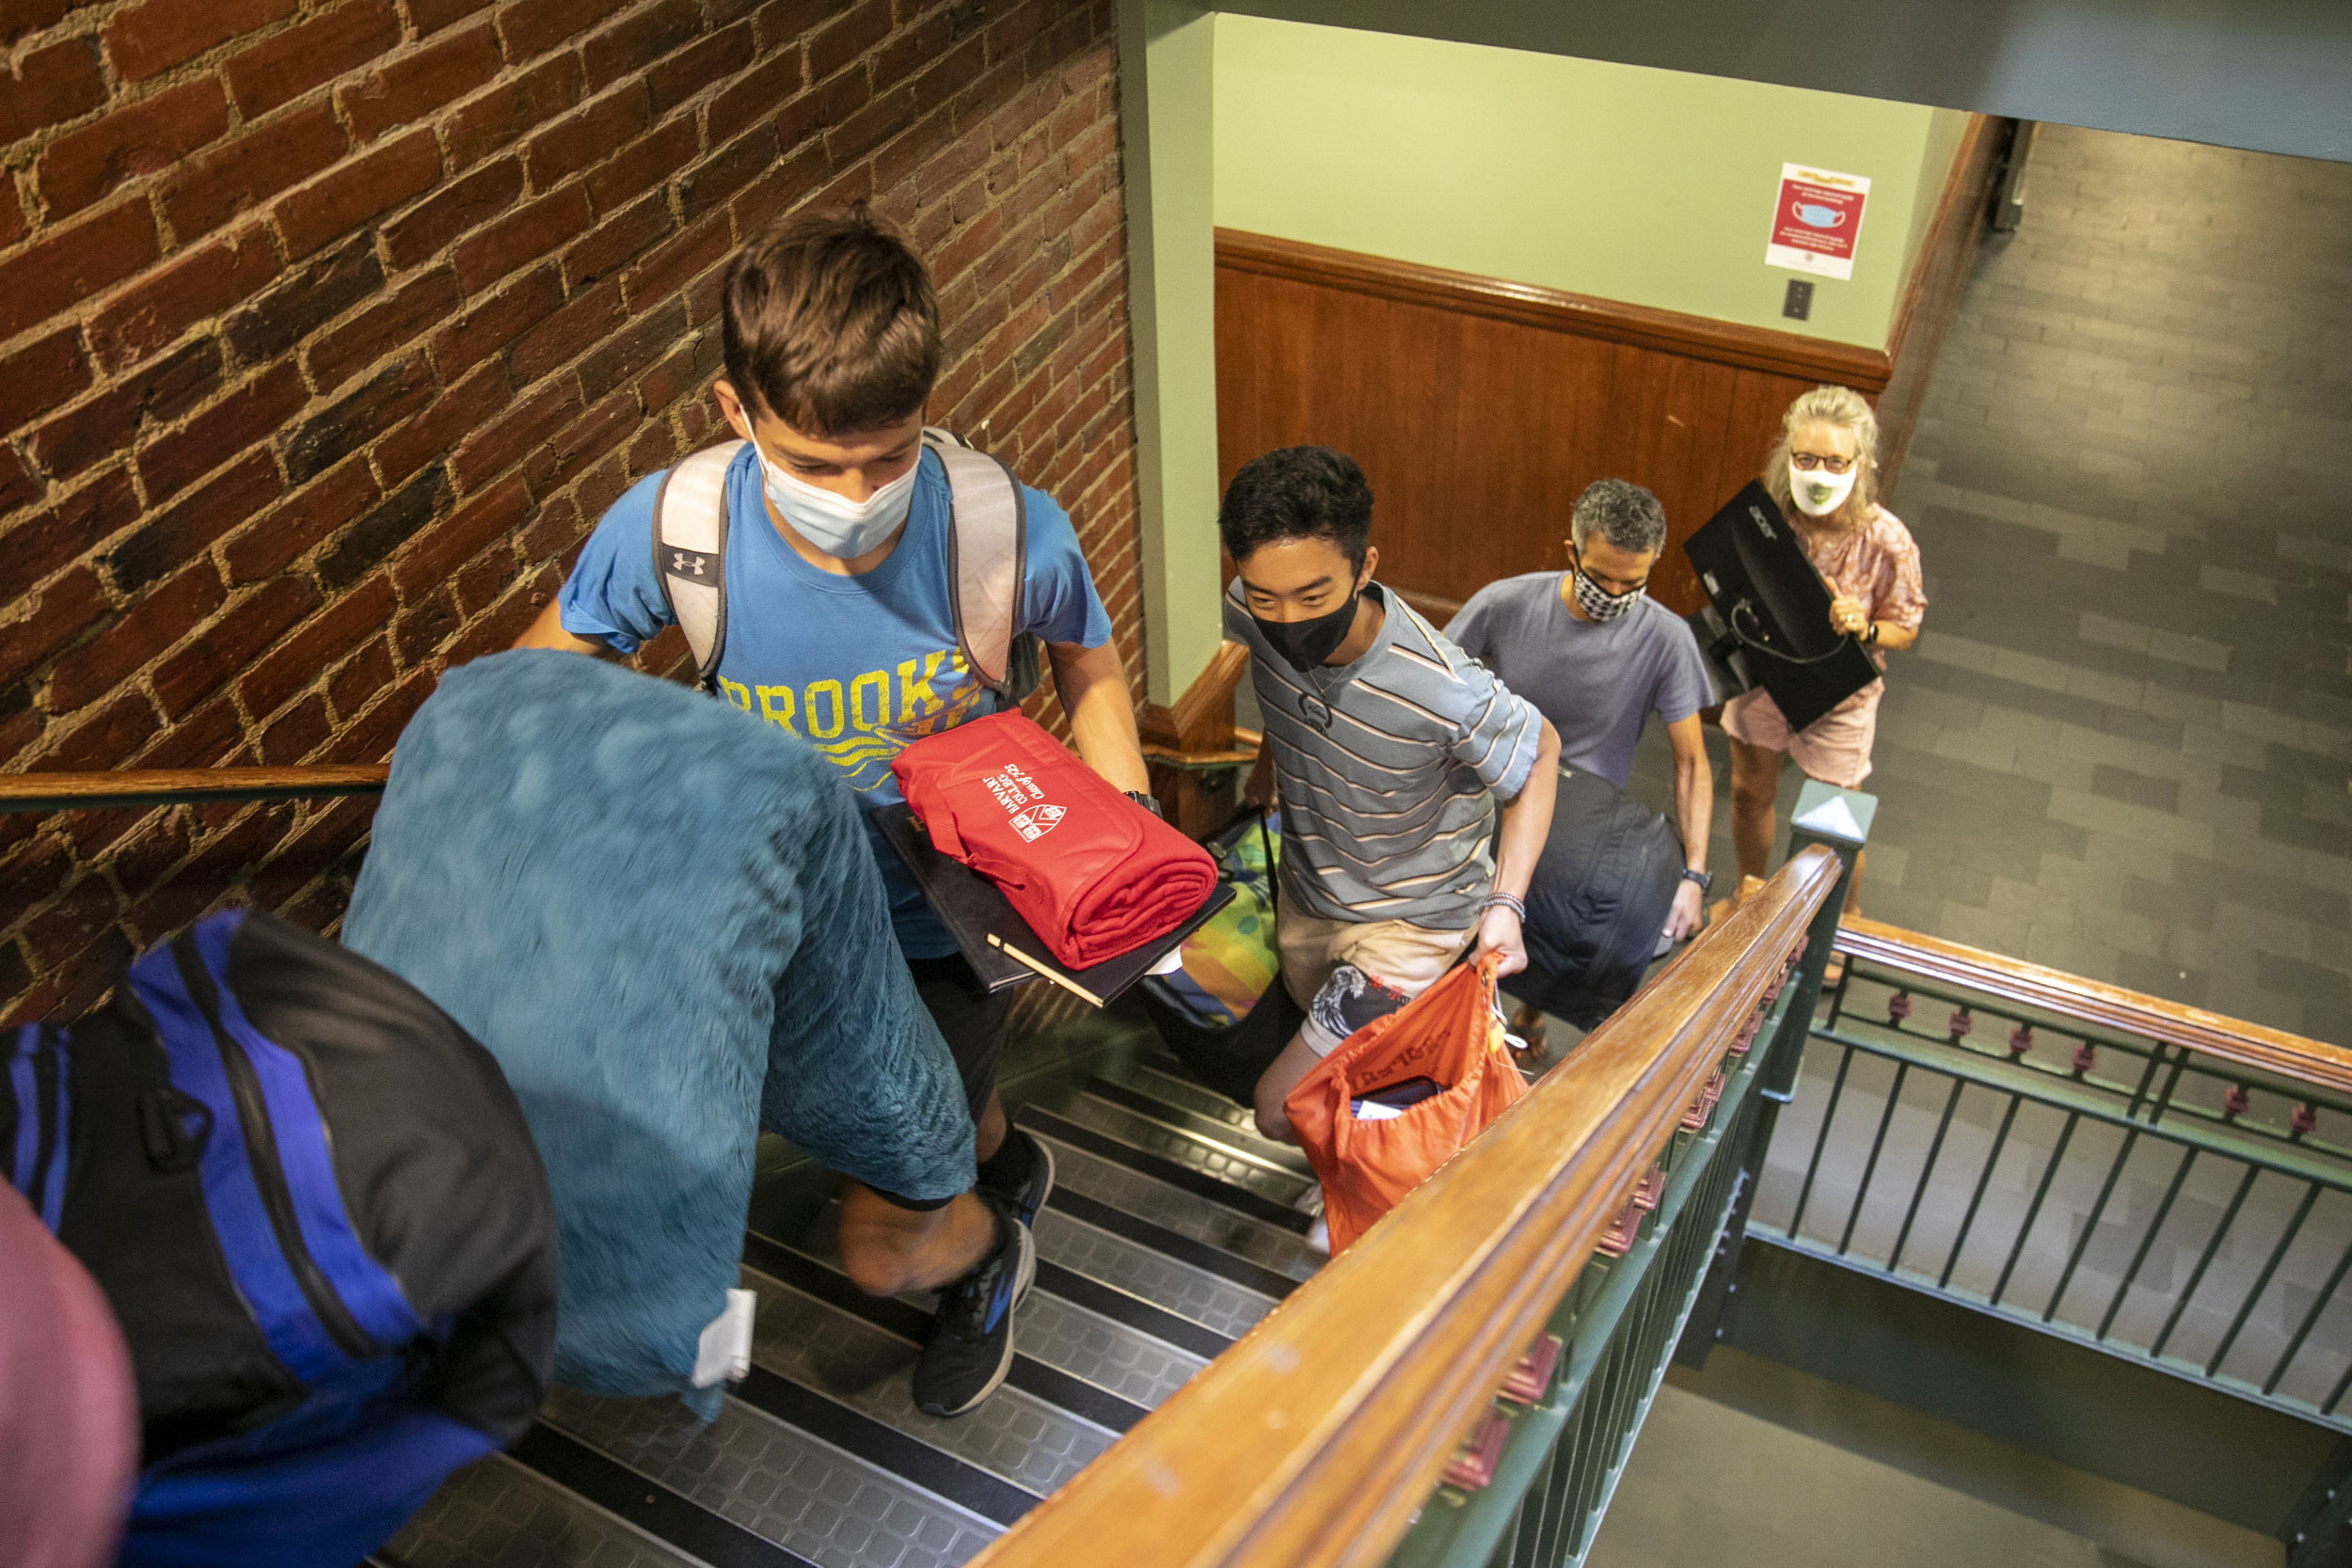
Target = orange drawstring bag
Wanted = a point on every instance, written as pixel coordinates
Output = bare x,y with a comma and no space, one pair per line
1450,1035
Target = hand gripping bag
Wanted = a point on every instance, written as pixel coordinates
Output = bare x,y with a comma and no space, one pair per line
311,1203
1094,874
1450,1033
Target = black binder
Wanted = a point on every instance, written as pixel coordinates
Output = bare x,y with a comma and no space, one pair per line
969,905
1773,608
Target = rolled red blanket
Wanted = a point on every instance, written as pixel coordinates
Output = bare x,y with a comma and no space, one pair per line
1094,874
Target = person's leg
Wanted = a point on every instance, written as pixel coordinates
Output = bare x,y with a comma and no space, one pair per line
1755,798
887,1247
972,1018
1377,966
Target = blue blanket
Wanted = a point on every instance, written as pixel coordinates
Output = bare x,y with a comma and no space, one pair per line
665,923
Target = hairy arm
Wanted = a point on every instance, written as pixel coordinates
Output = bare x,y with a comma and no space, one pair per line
1695,809
1526,825
1092,686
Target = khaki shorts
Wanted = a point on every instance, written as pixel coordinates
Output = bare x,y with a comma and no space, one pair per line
1406,959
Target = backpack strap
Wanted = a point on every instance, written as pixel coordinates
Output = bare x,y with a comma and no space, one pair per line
987,557
690,549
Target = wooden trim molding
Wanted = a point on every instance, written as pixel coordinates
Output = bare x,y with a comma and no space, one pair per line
127,788
2229,1040
1201,719
1702,337
1938,274
1313,1441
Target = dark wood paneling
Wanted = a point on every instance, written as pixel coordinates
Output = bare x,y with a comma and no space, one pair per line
1937,276
1479,408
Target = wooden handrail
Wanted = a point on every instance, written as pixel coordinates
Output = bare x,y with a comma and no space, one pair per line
172,786
1315,1438
1994,974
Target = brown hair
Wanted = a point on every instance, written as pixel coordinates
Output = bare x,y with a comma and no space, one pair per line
829,324
1838,405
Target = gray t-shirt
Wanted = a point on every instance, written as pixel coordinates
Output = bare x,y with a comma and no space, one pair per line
1387,769
1598,682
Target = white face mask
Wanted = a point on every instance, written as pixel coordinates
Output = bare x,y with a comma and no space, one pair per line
1820,493
836,525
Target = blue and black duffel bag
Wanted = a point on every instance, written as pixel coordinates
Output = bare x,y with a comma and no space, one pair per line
312,1203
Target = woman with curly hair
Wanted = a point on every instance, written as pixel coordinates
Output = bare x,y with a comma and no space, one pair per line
1824,475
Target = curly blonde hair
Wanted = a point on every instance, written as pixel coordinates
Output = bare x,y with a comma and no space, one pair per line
1838,406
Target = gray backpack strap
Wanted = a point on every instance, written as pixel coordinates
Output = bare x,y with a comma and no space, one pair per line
987,556
690,551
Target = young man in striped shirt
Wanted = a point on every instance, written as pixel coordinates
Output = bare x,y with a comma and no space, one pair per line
1389,748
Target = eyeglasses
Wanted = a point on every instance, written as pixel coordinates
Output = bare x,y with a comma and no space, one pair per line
1807,461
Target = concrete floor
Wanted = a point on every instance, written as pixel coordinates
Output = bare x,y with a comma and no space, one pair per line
2124,745
1750,1464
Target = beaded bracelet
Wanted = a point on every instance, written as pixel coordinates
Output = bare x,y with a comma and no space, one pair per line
1502,901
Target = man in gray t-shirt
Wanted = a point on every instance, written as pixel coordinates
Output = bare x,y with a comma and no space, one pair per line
1598,656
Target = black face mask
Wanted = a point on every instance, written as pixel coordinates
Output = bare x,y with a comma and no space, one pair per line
1305,645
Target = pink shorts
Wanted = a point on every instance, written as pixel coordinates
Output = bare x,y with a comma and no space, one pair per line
1835,747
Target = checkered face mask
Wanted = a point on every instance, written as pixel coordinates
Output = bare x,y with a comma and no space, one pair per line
1596,602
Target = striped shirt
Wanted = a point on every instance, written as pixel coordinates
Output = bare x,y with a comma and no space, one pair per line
1388,769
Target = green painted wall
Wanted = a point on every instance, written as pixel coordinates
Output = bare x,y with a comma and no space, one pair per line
1166,56
1649,186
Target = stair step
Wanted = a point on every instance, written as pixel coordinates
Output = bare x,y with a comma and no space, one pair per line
1180,1244
750,1469
1174,1173
1218,1159
501,1513
1071,1383
1180,1289
1202,1112
847,1372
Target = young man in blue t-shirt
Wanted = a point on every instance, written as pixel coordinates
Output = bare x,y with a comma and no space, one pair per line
840,630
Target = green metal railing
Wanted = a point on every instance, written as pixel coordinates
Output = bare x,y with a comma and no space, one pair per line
1618,1325
2149,1199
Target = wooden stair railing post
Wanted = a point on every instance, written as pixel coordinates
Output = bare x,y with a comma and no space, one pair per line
1313,1440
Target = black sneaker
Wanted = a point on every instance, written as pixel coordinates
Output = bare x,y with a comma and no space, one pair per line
971,1344
1028,1156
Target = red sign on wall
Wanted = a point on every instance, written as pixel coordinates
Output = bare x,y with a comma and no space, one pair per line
1816,221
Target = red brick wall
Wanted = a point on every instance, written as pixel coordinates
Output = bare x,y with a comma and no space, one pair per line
327,329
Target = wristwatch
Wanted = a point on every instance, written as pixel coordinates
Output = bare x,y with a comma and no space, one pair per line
1704,878
1139,798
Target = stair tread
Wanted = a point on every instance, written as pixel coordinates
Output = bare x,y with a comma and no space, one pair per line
501,1513
818,1502
1013,1436
1204,1221
1203,1114
1223,1162
1232,1197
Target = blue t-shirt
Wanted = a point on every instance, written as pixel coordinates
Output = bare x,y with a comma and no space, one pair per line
856,666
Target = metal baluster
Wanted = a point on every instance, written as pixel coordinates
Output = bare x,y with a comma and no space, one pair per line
2262,1281
2139,1090
1869,1166
1829,1113
2303,1330
2164,1212
2033,1211
2335,1395
2171,1082
1935,1149
2197,1276
2090,1226
1983,1180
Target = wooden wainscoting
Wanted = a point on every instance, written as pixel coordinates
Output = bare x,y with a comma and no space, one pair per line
1480,407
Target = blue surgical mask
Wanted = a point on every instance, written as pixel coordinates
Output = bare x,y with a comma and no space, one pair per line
836,525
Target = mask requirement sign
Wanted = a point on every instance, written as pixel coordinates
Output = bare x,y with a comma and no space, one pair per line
1816,221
